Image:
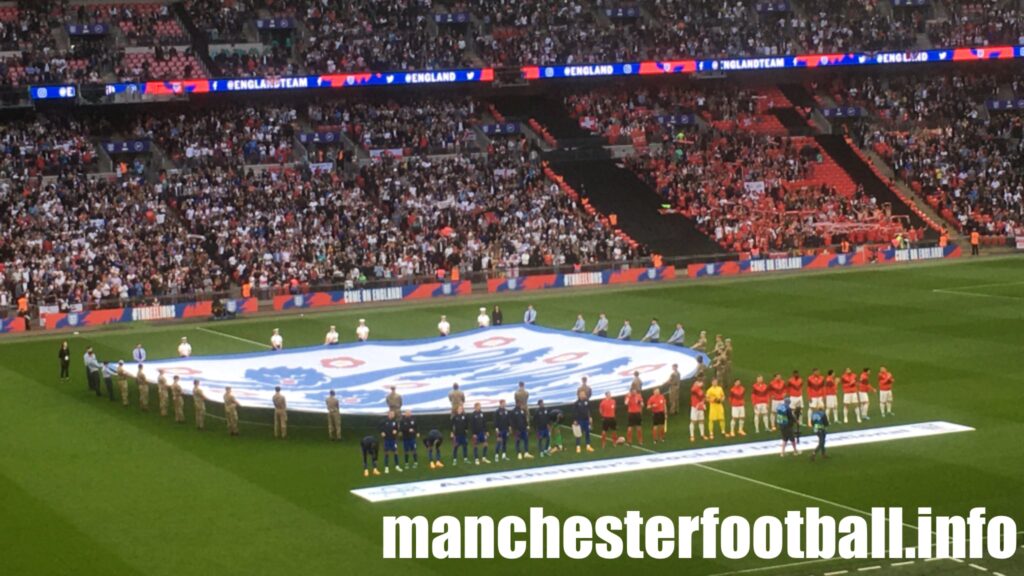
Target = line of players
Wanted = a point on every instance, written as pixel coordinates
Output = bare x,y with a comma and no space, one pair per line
766,397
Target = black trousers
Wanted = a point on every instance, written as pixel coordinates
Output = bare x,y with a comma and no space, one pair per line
821,443
94,381
65,368
109,381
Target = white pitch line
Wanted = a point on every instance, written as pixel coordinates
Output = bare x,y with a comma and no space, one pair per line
869,568
898,564
993,285
232,336
792,492
976,567
836,573
777,487
976,294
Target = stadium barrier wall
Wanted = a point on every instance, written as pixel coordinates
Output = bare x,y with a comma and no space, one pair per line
821,261
160,312
384,294
544,281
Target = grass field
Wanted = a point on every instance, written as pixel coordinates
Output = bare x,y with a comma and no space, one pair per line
88,487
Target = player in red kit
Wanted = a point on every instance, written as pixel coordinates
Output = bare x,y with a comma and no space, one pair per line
864,390
831,397
656,404
795,390
850,397
608,422
737,404
885,380
635,415
697,409
760,397
815,393
777,392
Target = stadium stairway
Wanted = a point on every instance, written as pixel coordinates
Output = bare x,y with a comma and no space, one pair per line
840,151
613,189
549,113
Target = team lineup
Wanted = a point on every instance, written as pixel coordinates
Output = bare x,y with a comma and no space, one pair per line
778,404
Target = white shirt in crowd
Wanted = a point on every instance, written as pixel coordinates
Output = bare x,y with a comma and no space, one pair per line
332,337
276,341
184,349
483,320
443,327
362,331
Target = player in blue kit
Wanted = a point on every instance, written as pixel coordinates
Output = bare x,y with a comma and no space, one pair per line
478,427
433,443
460,426
502,423
522,429
410,433
581,413
389,429
541,419
370,448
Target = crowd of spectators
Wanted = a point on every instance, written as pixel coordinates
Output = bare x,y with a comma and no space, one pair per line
758,193
395,218
938,136
222,136
81,241
221,20
980,23
411,125
44,147
274,60
379,35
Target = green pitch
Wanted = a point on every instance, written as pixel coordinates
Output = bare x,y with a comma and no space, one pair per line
89,487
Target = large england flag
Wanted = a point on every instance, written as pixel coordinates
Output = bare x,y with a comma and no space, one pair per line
487,363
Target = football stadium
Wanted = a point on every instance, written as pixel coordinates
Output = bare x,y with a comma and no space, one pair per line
495,286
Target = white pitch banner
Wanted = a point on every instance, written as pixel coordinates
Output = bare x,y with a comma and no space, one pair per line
578,470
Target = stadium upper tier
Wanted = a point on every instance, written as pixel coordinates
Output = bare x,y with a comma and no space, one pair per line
313,40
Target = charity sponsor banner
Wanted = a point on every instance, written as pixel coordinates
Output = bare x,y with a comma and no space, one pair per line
126,146
93,29
204,309
572,279
275,23
773,7
639,463
623,12
840,112
500,128
365,295
488,364
320,137
677,119
451,17
387,152
1006,104
819,261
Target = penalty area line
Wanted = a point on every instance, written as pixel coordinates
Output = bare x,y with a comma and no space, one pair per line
232,336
